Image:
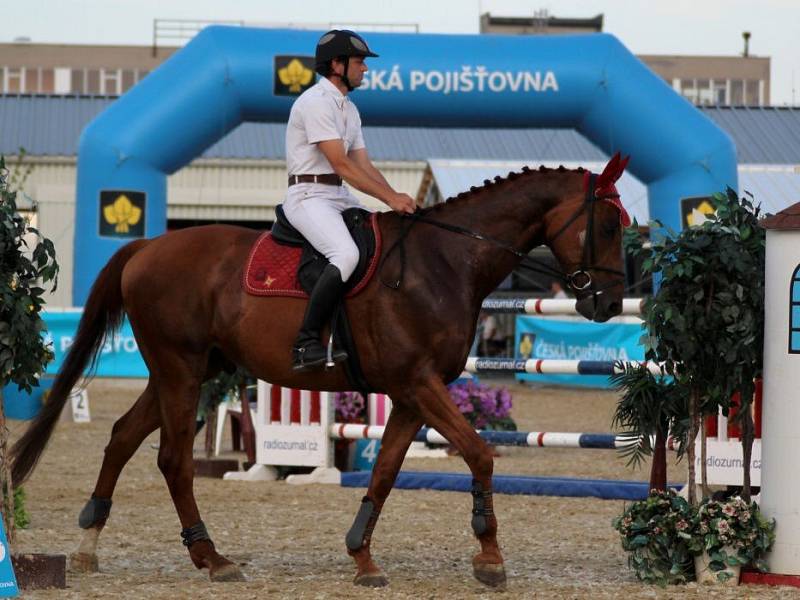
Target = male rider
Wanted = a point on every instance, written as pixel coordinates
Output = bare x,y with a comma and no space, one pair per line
324,146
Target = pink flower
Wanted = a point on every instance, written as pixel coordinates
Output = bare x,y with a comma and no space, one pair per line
729,510
681,525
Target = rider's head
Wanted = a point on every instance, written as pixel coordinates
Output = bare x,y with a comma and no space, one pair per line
334,51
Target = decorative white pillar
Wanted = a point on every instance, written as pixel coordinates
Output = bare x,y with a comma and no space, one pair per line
780,487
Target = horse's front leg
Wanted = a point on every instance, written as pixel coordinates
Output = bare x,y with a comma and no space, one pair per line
400,430
441,413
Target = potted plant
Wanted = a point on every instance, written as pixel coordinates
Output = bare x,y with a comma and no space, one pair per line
656,533
28,264
727,535
705,324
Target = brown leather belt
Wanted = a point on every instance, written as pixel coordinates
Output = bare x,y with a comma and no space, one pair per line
326,178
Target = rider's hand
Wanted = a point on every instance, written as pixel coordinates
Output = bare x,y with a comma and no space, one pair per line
402,203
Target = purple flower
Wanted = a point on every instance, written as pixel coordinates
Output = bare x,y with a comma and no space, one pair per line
350,407
480,404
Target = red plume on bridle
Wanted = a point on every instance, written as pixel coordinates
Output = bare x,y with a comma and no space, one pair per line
605,190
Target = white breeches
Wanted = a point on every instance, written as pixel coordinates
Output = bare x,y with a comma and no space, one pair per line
314,209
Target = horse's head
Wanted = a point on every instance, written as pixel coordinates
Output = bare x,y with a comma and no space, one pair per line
584,231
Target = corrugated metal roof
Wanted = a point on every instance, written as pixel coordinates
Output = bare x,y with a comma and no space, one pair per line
774,188
51,126
768,135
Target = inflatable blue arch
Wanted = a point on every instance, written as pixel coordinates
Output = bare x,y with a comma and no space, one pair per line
229,75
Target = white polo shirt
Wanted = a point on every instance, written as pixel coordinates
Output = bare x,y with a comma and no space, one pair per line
320,113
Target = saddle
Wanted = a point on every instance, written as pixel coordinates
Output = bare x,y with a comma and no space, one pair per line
283,263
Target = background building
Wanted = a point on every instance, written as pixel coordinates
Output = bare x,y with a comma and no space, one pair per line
111,70
704,80
51,92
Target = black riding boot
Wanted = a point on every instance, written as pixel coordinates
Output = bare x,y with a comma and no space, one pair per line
308,351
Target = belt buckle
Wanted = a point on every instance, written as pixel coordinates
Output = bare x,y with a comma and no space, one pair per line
315,179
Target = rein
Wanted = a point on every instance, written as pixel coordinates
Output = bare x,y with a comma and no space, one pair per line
578,280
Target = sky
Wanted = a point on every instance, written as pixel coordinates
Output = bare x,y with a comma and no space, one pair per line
693,27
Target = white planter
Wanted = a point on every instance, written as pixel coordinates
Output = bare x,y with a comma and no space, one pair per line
705,576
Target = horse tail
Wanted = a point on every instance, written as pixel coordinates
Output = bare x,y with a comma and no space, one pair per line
102,313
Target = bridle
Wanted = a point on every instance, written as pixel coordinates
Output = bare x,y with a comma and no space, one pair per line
580,280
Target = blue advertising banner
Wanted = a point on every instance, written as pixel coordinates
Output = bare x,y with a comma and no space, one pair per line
536,337
119,356
8,581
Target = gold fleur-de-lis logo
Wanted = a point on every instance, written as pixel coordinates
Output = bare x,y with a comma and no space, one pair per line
699,215
122,214
268,281
295,75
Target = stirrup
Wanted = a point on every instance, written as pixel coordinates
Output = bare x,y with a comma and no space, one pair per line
301,361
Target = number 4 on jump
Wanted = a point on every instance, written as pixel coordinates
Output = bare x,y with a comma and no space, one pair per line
370,451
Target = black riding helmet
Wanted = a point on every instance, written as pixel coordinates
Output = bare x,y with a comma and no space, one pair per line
341,44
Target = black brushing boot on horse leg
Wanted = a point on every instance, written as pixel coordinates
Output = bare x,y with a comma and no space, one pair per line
308,351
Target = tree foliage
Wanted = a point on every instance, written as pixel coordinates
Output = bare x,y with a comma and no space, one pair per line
648,405
27,264
706,322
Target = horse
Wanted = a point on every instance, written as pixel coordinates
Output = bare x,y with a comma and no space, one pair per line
191,319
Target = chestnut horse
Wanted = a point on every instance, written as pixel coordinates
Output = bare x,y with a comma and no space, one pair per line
191,318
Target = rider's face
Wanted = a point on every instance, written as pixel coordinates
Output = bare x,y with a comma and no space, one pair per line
355,69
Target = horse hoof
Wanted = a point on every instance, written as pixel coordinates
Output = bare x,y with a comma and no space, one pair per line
227,573
491,574
371,580
81,562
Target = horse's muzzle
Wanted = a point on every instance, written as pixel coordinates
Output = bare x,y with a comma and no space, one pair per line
599,307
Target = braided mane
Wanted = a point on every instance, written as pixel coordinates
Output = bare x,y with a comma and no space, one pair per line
512,175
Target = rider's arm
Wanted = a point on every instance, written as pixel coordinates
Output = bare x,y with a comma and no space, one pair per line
360,178
362,159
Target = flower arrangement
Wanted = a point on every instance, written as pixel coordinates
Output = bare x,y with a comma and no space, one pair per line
350,407
733,533
483,406
656,533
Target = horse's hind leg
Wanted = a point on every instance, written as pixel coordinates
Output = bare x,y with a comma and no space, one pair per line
126,436
178,389
400,430
441,413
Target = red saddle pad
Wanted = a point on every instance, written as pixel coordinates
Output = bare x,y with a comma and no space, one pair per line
272,268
